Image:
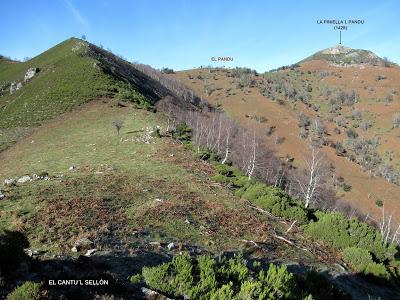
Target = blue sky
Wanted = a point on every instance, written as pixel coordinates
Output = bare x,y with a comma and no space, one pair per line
186,34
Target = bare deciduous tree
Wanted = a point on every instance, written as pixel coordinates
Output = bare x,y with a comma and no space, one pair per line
314,178
388,230
118,124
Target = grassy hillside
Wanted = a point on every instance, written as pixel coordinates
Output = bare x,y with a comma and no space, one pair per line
136,196
130,193
156,190
58,87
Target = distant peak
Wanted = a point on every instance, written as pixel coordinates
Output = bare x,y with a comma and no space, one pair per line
342,55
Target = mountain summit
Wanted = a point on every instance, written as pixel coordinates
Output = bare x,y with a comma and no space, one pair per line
341,55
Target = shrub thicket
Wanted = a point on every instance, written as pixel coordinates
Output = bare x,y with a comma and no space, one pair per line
333,228
361,261
204,277
275,201
340,232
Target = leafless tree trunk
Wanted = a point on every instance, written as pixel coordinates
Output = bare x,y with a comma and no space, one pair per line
389,234
315,175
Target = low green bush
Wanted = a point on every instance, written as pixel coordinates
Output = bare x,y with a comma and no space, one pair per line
203,154
340,232
204,277
361,261
127,93
27,291
182,132
274,200
221,179
135,279
224,170
242,182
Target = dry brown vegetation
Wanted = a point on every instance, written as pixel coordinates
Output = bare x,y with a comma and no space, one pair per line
363,187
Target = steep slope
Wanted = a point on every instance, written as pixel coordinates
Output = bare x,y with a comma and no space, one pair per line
361,97
56,85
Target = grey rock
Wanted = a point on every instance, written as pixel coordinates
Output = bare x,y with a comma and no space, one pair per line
30,73
41,177
153,295
19,85
90,252
72,168
13,88
24,179
83,244
74,249
10,182
2,196
171,246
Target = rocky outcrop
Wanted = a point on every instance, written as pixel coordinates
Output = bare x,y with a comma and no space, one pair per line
15,87
10,182
24,179
30,73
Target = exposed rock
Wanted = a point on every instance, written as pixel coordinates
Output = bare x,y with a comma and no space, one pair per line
24,179
83,244
90,252
30,73
74,249
10,182
338,49
171,246
153,295
2,196
72,168
41,176
154,243
13,88
19,85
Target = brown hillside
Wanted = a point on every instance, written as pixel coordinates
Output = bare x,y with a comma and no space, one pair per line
371,83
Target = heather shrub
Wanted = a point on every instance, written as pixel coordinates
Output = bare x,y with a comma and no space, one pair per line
27,291
362,262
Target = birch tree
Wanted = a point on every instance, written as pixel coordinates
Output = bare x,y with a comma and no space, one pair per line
390,232
314,176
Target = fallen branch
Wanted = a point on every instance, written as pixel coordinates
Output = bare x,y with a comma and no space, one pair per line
263,211
251,242
283,239
289,242
291,226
